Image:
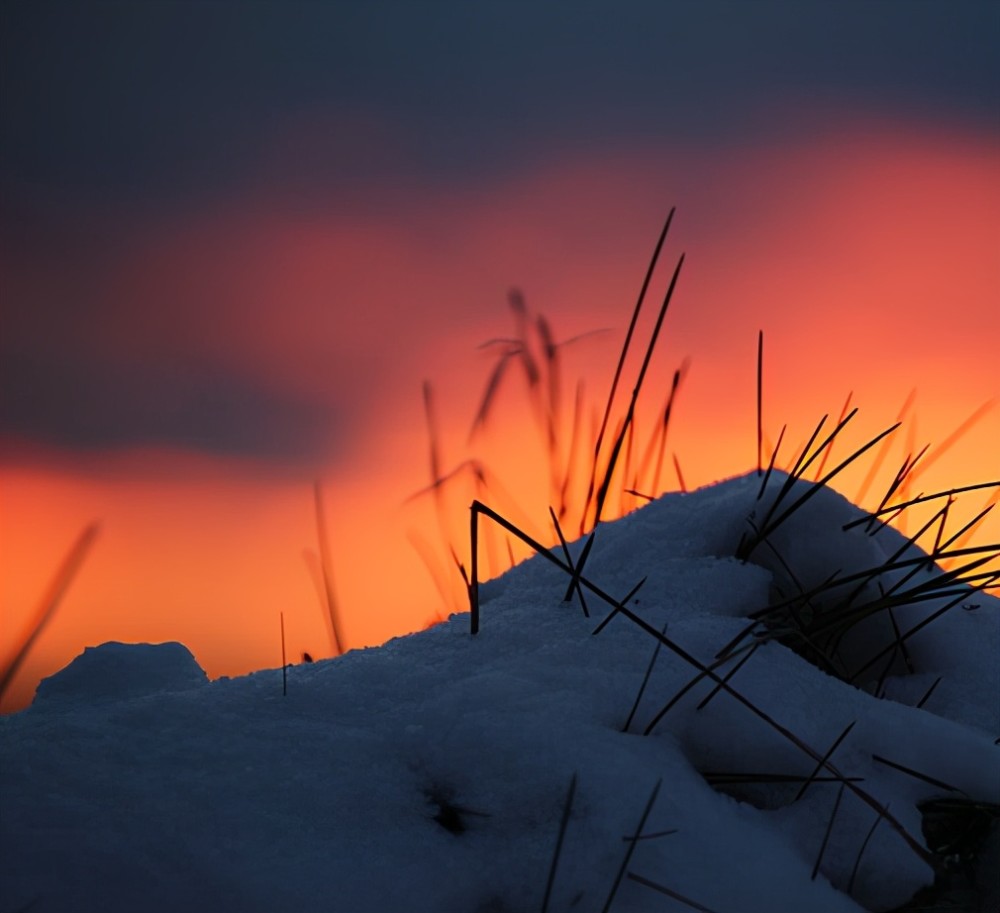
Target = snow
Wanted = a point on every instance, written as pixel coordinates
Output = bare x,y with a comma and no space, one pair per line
116,671
432,773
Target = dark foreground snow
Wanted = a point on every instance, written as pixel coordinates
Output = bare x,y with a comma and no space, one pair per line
431,774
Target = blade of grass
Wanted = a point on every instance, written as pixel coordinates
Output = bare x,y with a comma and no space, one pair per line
679,375
563,823
550,355
284,661
900,648
760,399
882,452
794,473
969,529
811,778
438,480
727,677
326,566
627,467
645,681
574,440
829,447
602,492
624,352
921,500
46,608
928,693
955,436
916,774
625,601
894,485
770,463
569,560
430,562
725,778
492,386
645,882
577,569
861,852
680,475
827,832
631,846
942,525
706,672
658,442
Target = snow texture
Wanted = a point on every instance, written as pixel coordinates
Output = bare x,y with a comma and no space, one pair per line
432,773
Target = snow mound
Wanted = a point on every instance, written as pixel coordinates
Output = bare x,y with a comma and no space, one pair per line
116,671
433,774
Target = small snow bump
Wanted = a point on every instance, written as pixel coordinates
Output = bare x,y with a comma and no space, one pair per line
116,671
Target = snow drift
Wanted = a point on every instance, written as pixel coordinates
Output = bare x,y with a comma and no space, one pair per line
433,773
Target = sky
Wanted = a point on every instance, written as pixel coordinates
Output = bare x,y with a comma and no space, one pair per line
236,239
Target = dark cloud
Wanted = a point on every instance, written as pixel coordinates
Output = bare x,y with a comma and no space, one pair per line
96,406
152,107
152,96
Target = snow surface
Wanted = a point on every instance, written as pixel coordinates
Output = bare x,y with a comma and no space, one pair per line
134,784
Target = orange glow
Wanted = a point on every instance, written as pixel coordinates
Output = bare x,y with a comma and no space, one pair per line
869,258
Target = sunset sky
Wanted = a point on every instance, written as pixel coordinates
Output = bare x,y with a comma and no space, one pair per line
236,238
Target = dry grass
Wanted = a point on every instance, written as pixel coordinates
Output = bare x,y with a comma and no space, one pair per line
794,620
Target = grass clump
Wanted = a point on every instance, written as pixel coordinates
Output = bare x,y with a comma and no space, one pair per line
919,579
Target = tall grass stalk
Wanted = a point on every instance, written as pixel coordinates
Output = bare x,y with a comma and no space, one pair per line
48,604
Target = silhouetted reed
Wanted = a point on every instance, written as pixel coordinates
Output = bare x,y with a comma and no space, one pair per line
48,604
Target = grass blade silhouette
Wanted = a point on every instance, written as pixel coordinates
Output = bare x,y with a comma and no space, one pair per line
602,492
563,824
599,441
326,567
49,603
